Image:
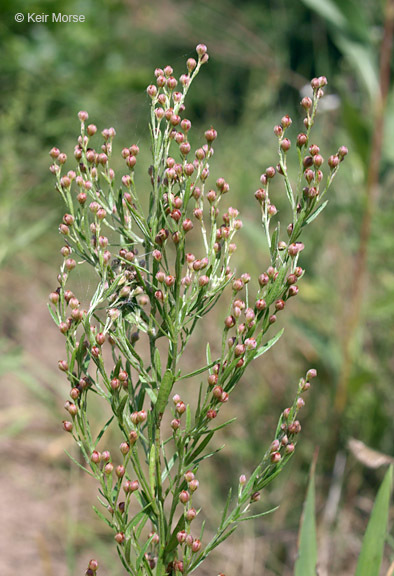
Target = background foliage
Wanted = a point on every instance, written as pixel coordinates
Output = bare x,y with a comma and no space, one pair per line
262,56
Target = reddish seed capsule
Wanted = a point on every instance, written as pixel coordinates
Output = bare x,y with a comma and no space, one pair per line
279,305
211,414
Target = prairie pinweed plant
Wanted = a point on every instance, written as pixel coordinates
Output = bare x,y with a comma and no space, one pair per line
126,347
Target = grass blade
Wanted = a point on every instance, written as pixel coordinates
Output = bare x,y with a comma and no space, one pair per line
371,555
307,544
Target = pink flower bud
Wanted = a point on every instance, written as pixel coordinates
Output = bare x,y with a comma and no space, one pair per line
68,426
175,424
181,536
276,457
201,49
152,91
196,546
184,497
302,140
191,514
83,116
93,565
270,172
289,448
95,457
120,471
193,485
63,366
124,448
120,537
210,135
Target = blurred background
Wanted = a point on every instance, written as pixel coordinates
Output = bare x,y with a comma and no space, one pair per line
262,55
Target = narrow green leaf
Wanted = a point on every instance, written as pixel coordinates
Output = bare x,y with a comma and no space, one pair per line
152,395
221,426
168,467
141,555
52,313
152,465
136,520
198,460
263,349
157,361
100,515
258,515
80,465
208,354
164,392
316,213
173,543
225,510
274,242
371,555
103,429
307,545
198,371
189,458
188,423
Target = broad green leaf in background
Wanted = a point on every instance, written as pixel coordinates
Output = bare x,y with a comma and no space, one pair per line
373,544
307,545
